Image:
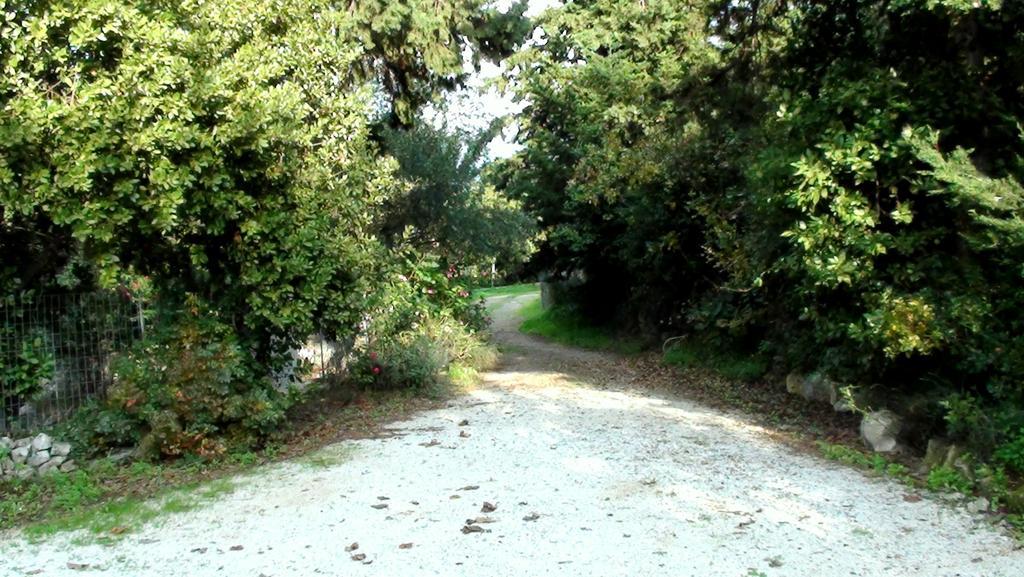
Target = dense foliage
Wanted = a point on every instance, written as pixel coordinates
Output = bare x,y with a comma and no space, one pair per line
450,209
225,151
833,186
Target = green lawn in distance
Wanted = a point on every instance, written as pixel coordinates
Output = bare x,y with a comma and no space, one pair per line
507,290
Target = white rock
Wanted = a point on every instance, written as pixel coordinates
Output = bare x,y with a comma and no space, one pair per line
20,454
23,442
68,466
24,472
52,465
6,443
880,429
42,442
814,387
978,505
61,449
38,458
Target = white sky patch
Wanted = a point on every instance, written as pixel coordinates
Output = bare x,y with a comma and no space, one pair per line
480,102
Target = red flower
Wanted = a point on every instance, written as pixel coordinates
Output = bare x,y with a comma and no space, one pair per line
376,369
373,356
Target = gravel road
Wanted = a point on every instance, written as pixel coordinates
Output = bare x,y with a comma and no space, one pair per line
587,476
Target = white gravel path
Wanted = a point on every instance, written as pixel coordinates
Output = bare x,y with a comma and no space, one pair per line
623,483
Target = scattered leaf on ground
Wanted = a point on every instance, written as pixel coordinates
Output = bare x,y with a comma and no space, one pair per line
472,529
199,550
488,507
237,547
531,517
405,546
380,506
911,498
77,566
464,434
352,547
470,488
464,422
431,443
359,556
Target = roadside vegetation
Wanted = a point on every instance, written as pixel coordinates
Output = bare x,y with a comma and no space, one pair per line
566,326
812,185
251,174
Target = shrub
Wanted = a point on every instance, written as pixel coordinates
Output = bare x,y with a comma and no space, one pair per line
189,388
416,358
948,478
1011,453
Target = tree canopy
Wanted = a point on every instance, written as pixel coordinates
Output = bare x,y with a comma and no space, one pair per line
833,186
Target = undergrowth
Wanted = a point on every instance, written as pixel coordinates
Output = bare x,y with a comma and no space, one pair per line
729,363
564,325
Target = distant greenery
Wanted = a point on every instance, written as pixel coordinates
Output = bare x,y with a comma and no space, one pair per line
566,326
508,290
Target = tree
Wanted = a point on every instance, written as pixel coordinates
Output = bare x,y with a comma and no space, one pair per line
221,148
449,208
832,185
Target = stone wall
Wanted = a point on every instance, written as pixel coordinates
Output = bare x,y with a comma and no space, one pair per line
34,456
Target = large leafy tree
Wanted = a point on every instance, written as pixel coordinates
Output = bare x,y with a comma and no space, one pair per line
220,148
836,183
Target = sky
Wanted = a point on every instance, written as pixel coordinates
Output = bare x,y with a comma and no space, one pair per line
477,105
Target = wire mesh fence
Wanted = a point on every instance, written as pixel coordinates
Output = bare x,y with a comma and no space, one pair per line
55,353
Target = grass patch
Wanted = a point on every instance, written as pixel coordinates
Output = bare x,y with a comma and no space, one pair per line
945,478
463,377
566,326
729,364
875,463
507,290
109,520
328,457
